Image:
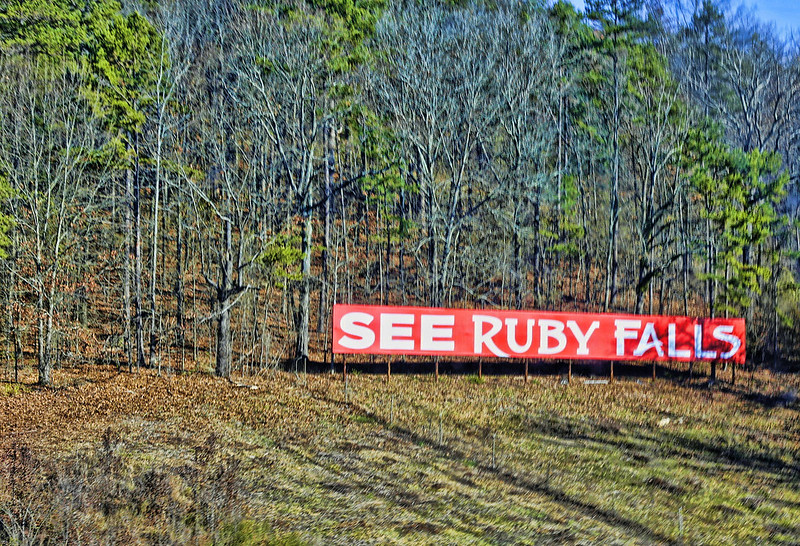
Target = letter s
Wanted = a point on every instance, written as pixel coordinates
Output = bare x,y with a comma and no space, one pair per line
725,333
355,325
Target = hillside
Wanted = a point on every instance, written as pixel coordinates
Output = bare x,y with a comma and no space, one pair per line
190,188
284,458
183,180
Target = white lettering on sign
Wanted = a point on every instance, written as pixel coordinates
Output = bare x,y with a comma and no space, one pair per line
551,329
723,333
649,341
625,329
672,351
511,332
699,352
436,333
485,338
358,335
581,337
394,326
409,330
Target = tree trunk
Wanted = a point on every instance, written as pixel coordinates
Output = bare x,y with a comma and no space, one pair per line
611,256
180,303
13,318
224,293
686,257
137,259
42,342
330,143
305,285
537,251
518,286
710,269
224,350
401,245
126,287
153,271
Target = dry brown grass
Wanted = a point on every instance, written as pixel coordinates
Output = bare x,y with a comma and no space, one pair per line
192,458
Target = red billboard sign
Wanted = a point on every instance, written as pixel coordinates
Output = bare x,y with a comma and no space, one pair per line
367,329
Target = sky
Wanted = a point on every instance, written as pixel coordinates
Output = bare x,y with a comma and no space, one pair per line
784,13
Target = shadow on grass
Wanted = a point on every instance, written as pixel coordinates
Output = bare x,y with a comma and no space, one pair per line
542,488
377,365
499,367
394,491
695,378
644,445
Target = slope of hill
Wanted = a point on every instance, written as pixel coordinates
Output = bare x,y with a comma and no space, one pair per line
283,458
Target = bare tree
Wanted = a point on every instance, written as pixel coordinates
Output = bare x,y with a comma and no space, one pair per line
286,80
528,104
48,138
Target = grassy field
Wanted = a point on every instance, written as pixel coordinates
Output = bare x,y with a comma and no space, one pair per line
281,458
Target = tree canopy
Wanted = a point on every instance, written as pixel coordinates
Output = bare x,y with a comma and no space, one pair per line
248,164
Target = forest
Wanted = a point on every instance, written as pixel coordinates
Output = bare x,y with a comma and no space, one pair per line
193,185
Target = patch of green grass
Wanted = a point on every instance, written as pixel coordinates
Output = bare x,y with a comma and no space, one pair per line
364,419
247,532
13,389
476,380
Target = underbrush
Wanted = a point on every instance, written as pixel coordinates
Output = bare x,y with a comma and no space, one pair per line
97,497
